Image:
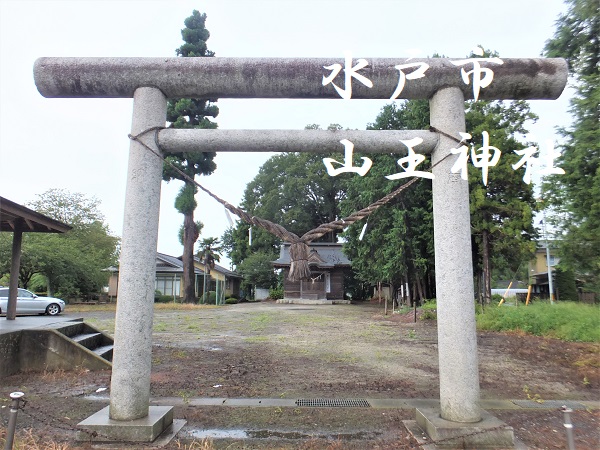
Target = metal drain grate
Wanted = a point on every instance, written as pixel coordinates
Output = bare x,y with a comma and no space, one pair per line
333,403
548,404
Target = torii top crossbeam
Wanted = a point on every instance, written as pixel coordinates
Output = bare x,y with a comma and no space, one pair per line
218,77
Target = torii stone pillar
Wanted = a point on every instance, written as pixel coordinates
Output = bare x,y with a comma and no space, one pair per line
129,416
130,395
457,339
443,85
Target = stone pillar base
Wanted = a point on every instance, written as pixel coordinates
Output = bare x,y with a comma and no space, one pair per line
146,429
489,433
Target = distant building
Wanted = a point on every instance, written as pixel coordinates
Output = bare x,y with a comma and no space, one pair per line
538,269
169,275
327,264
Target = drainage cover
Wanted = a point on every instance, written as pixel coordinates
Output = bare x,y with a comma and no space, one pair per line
333,403
548,404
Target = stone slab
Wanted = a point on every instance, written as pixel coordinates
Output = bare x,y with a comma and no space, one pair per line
161,441
146,429
308,301
489,433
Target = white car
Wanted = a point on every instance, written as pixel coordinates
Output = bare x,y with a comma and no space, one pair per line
29,303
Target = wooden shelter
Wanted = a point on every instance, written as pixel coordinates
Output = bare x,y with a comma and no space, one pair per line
327,264
18,219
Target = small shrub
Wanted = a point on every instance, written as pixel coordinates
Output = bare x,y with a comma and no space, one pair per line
429,314
496,298
210,298
429,310
163,298
276,293
231,301
430,304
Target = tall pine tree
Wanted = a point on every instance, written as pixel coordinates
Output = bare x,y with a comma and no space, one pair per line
190,113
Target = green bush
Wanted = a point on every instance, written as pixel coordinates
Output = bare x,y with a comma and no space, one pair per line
163,298
276,293
210,298
568,321
231,301
496,298
430,304
429,309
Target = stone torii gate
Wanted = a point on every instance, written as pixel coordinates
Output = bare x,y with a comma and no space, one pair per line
151,81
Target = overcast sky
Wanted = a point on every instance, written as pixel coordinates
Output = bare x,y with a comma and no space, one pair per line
81,144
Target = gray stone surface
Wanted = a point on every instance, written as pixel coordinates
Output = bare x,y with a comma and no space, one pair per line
130,382
516,78
490,432
314,141
457,339
145,429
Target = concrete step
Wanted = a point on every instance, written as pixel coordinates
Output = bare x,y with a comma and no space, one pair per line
89,340
105,352
71,329
89,337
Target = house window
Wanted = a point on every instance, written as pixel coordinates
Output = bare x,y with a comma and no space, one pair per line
167,285
554,260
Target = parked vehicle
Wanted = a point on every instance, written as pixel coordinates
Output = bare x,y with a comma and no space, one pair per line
29,303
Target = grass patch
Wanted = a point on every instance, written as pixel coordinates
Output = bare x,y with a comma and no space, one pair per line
160,326
260,321
182,306
85,308
568,321
342,357
160,306
106,325
256,339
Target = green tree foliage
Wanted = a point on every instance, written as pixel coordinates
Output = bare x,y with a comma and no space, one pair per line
397,246
501,212
258,271
575,196
190,113
210,251
74,262
565,285
293,190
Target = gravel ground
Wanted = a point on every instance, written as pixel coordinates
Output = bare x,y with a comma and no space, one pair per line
268,350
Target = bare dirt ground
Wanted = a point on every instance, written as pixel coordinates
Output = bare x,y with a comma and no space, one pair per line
269,350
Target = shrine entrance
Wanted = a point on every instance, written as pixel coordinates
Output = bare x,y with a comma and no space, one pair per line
446,83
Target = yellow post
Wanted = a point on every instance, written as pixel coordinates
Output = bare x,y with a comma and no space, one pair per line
528,295
505,293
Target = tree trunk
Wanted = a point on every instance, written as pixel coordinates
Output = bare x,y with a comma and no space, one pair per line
421,286
190,236
478,288
487,270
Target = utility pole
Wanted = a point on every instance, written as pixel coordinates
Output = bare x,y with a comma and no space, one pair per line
548,265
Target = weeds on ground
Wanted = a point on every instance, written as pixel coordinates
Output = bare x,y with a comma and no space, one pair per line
106,325
25,440
171,306
205,444
568,321
260,321
182,306
531,396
